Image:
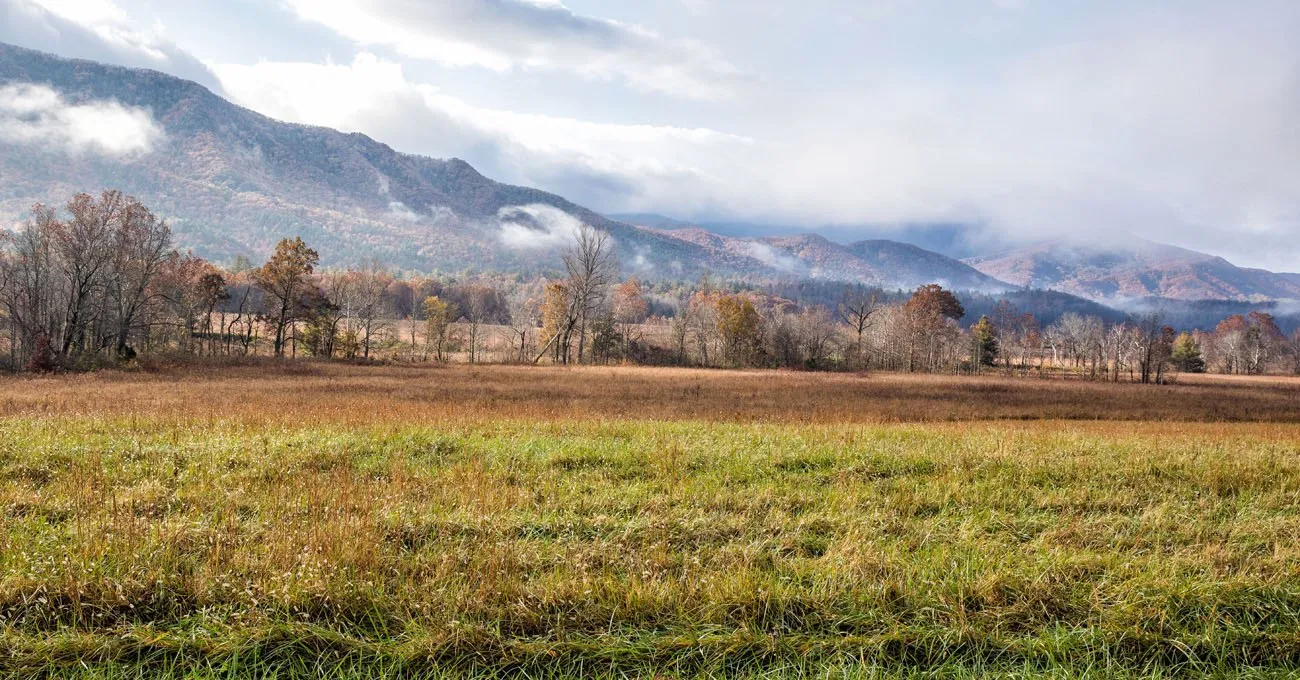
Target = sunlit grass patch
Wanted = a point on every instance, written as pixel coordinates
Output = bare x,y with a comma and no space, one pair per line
633,547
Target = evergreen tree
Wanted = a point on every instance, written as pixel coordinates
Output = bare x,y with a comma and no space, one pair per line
984,343
1187,354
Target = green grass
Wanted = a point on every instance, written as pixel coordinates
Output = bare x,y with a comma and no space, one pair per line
137,547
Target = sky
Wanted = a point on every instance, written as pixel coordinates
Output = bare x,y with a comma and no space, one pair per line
1176,121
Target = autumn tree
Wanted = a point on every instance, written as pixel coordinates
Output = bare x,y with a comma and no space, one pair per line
438,317
285,278
210,291
190,288
929,311
1247,343
630,310
558,318
738,326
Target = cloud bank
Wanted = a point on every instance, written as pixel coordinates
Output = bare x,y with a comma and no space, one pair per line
37,115
1026,120
502,35
97,30
594,163
533,227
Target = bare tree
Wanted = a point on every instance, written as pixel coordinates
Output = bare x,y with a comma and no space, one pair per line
243,326
372,310
83,252
29,296
1293,343
591,267
1155,344
571,305
141,247
855,311
329,319
525,312
679,330
817,337
479,304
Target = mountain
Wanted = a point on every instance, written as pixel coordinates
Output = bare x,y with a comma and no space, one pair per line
905,262
233,182
888,264
951,239
1141,270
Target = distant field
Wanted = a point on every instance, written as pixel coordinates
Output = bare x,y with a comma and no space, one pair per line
336,393
364,522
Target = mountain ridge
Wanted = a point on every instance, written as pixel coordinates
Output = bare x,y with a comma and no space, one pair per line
233,182
1143,269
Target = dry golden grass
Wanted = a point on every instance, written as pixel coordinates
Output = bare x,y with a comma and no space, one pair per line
331,521
338,393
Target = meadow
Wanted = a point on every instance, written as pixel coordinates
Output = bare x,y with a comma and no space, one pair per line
324,520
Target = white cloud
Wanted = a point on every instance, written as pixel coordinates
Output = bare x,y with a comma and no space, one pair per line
1112,137
1170,134
98,30
92,11
774,258
598,163
502,35
1173,122
529,227
37,115
398,210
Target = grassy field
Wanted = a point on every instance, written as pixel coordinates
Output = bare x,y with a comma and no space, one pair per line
331,521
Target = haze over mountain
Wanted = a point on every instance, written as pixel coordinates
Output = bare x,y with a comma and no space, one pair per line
874,262
233,182
1174,121
1138,269
951,239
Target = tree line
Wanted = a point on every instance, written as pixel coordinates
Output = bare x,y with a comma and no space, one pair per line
101,282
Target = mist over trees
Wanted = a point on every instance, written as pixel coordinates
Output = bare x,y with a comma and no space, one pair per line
100,282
